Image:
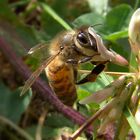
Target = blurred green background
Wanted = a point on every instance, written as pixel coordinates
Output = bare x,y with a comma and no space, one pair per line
26,23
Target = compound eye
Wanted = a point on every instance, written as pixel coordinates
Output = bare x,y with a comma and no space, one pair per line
82,39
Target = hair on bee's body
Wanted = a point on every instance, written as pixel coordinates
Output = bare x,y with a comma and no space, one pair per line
67,51
61,73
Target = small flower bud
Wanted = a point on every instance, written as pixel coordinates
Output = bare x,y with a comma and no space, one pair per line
134,32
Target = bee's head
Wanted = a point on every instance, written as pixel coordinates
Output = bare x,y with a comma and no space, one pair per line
90,44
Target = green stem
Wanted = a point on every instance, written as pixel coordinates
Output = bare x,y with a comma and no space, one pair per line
131,120
136,4
52,13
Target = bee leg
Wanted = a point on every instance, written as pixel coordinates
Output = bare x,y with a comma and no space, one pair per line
91,77
72,61
85,59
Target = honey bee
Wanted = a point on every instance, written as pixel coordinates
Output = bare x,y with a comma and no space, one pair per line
67,52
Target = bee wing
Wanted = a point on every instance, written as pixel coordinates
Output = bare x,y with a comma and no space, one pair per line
38,47
39,52
36,74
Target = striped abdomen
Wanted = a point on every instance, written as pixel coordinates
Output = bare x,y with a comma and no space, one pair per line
61,79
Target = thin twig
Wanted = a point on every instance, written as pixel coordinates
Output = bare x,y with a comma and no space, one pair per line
40,125
87,123
108,72
40,86
10,124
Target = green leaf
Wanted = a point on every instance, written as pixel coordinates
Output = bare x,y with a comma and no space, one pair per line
18,105
106,79
118,18
47,132
4,97
6,12
133,62
65,10
23,37
89,19
101,81
12,128
117,35
131,120
82,93
99,6
55,121
11,104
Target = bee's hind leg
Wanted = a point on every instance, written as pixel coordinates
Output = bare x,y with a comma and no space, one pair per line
91,77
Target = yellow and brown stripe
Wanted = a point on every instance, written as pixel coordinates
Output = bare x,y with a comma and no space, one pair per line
61,79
